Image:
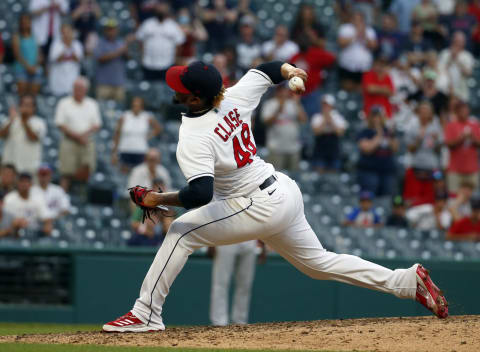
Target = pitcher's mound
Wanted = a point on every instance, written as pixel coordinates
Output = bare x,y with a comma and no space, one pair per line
457,333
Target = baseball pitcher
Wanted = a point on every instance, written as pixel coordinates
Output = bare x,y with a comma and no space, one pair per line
235,196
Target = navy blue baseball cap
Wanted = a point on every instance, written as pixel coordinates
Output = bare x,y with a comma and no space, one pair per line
198,78
366,195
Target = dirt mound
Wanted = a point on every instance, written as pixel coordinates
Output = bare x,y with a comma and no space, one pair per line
457,333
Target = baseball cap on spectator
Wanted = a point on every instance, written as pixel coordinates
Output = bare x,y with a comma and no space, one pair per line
398,201
376,109
25,176
366,195
110,23
247,20
329,99
437,175
430,74
200,79
44,169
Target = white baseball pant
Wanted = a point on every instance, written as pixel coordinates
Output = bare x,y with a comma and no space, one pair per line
275,216
240,258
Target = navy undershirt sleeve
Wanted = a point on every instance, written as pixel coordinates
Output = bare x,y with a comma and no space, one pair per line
272,70
198,192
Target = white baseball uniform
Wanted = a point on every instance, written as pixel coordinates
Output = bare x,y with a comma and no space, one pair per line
220,144
237,260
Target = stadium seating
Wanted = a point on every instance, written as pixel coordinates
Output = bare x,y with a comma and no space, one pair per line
327,197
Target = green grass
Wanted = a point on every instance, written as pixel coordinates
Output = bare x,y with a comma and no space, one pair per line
41,328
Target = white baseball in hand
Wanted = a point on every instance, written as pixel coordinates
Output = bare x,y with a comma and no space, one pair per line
296,84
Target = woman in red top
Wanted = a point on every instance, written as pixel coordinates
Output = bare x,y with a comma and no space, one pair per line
467,228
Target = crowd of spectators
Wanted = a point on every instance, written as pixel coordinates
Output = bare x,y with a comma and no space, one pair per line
415,135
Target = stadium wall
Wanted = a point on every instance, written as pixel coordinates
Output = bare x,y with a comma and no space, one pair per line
105,283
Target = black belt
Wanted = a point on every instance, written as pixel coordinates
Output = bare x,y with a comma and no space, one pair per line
268,182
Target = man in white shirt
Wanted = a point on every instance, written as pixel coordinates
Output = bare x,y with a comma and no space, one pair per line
458,63
58,202
429,217
283,115
160,36
248,48
78,117
46,21
23,133
29,210
356,41
150,170
64,59
280,47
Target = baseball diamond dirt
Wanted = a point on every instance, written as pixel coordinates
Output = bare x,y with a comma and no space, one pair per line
417,334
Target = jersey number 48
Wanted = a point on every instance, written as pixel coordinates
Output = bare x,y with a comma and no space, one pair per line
243,155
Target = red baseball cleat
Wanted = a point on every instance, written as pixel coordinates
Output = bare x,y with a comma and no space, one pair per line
429,295
127,323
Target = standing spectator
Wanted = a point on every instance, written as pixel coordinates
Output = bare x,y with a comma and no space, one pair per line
376,166
140,10
248,48
468,227
149,233
132,133
474,10
232,260
23,133
8,224
160,37
417,46
462,137
47,16
427,217
78,117
110,54
424,138
356,41
64,58
29,210
461,21
328,126
219,19
85,14
364,215
397,218
8,178
430,92
403,9
458,63
378,87
460,205
283,115
313,60
57,201
150,170
280,47
194,32
390,40
426,14
306,29
27,58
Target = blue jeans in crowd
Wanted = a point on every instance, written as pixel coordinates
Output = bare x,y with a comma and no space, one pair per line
379,183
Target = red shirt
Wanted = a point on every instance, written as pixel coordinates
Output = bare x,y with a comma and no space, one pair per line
464,227
370,78
313,61
464,157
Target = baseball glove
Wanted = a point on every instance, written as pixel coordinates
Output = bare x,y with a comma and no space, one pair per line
137,194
